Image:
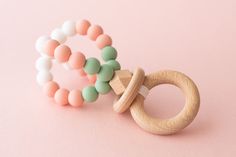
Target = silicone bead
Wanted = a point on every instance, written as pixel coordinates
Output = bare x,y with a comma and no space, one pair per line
44,77
68,28
92,66
77,60
61,96
62,53
75,98
82,72
102,87
50,88
92,78
50,46
90,94
58,35
109,53
114,64
43,64
39,45
105,73
82,27
103,40
94,32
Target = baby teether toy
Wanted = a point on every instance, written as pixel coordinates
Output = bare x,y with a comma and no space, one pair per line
130,88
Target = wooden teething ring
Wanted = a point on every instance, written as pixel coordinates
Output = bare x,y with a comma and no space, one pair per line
156,125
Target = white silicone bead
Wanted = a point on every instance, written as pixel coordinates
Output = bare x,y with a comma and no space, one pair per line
43,77
68,28
66,66
40,43
43,64
58,35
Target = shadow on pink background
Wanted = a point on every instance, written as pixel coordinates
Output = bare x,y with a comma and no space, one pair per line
195,37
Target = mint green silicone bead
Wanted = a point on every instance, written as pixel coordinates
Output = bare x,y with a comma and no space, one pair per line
102,87
92,66
109,53
90,94
114,64
106,73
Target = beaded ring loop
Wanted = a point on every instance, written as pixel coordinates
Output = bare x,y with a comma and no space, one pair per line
53,48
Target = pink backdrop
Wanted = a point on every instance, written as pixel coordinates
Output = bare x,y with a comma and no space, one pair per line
195,37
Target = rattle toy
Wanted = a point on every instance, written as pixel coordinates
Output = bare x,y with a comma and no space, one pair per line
131,88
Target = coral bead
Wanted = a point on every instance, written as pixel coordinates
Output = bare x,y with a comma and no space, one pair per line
92,66
50,47
44,77
58,35
82,72
106,73
82,27
39,45
62,53
43,64
94,32
77,60
103,40
61,96
92,78
68,28
89,94
50,88
75,98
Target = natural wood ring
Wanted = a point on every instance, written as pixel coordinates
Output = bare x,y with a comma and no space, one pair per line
182,119
130,93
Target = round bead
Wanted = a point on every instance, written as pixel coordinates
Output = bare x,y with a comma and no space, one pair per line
50,88
92,66
102,87
114,64
109,53
50,46
105,73
68,28
61,96
82,27
44,77
82,72
58,35
103,40
62,53
92,78
77,60
90,94
39,45
75,98
43,64
94,32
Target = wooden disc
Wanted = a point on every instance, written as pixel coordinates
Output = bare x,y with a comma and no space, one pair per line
176,123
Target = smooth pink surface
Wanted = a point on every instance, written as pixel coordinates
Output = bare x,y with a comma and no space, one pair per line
62,53
195,37
77,60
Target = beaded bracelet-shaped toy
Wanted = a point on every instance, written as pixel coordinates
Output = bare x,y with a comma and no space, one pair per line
131,88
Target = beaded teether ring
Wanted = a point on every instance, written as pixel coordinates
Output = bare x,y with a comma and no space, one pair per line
131,88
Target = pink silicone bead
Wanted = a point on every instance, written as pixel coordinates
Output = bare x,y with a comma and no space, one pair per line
50,46
61,96
50,88
103,40
92,79
82,72
77,60
82,27
94,32
75,98
62,53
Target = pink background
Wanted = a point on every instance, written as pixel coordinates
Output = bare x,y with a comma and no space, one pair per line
195,37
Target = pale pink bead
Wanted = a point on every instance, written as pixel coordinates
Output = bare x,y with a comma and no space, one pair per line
94,32
62,53
61,96
82,27
75,98
77,60
82,72
50,46
103,40
50,88
92,79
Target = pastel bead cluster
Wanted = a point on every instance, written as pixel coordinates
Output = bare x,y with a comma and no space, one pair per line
53,48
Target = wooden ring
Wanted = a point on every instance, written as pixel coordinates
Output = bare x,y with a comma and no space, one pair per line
130,93
176,123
